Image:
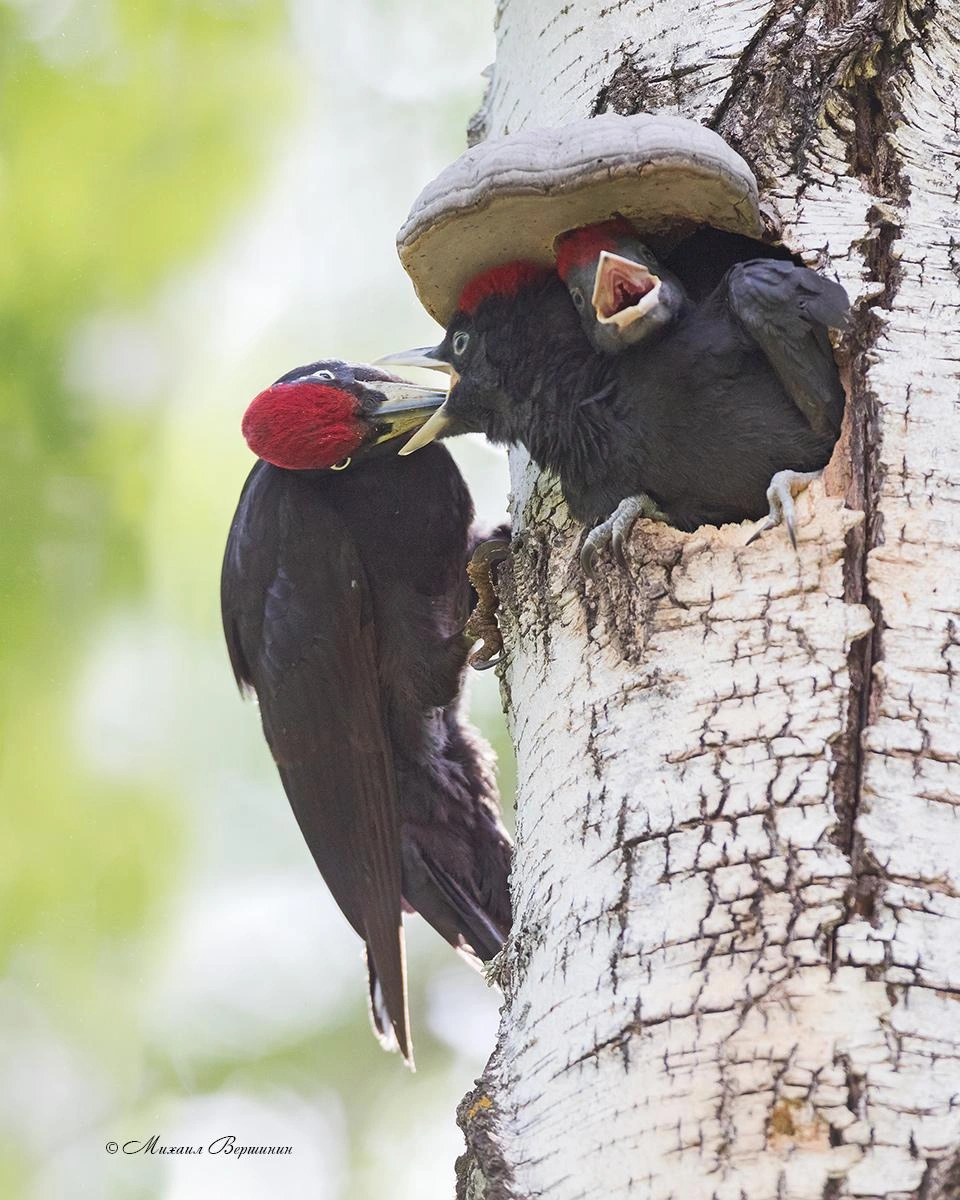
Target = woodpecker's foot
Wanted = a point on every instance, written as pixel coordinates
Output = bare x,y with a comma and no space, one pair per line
616,529
482,623
784,486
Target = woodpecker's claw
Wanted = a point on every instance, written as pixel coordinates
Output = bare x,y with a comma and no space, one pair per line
494,550
784,486
615,531
761,529
482,624
618,542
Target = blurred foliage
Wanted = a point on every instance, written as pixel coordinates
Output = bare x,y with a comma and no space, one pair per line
134,137
119,158
126,133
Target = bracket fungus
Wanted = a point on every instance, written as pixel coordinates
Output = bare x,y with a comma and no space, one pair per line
508,198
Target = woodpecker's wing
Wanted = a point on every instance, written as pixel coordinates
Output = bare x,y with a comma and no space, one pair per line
457,880
299,627
787,310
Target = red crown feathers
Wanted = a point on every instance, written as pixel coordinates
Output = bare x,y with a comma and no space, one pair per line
577,247
504,281
303,426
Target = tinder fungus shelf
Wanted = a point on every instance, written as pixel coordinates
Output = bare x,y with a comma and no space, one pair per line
508,198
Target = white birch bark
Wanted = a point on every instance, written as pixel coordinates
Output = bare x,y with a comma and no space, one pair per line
735,968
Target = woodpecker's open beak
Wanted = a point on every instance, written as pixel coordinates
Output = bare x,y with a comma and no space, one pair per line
404,408
623,290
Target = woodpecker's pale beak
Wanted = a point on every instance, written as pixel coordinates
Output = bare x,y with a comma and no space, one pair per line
424,356
623,290
429,432
404,408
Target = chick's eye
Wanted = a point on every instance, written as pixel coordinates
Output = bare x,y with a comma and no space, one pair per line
323,375
460,342
577,297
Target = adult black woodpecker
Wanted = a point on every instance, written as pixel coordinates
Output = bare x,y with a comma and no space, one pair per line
344,595
689,426
626,298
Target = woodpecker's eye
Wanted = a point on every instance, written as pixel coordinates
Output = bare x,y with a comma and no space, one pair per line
460,342
343,463
577,297
323,375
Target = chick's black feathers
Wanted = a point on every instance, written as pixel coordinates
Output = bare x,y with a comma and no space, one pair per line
699,419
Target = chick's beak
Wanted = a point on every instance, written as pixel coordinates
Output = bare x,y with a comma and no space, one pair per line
423,356
405,407
440,421
623,290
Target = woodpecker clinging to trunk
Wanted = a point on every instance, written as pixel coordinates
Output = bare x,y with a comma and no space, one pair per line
689,426
344,596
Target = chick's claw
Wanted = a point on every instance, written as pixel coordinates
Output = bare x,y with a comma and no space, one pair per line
784,487
482,624
615,531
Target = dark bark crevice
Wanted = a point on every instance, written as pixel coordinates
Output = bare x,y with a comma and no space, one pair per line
867,97
633,88
941,1177
840,64
482,1172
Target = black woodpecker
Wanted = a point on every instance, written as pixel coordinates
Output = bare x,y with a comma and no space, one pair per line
344,596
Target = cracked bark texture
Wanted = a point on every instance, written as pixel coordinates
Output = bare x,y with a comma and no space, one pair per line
735,967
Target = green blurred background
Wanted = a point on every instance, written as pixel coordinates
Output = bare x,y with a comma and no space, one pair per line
194,197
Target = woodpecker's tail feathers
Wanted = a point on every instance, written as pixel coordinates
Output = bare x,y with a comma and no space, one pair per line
384,1026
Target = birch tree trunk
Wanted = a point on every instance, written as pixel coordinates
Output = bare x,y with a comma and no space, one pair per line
735,967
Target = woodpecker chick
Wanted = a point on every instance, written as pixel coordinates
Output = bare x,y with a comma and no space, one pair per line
695,420
785,309
344,595
621,291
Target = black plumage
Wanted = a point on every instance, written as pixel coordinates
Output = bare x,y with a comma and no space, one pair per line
696,418
787,310
344,594
626,297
